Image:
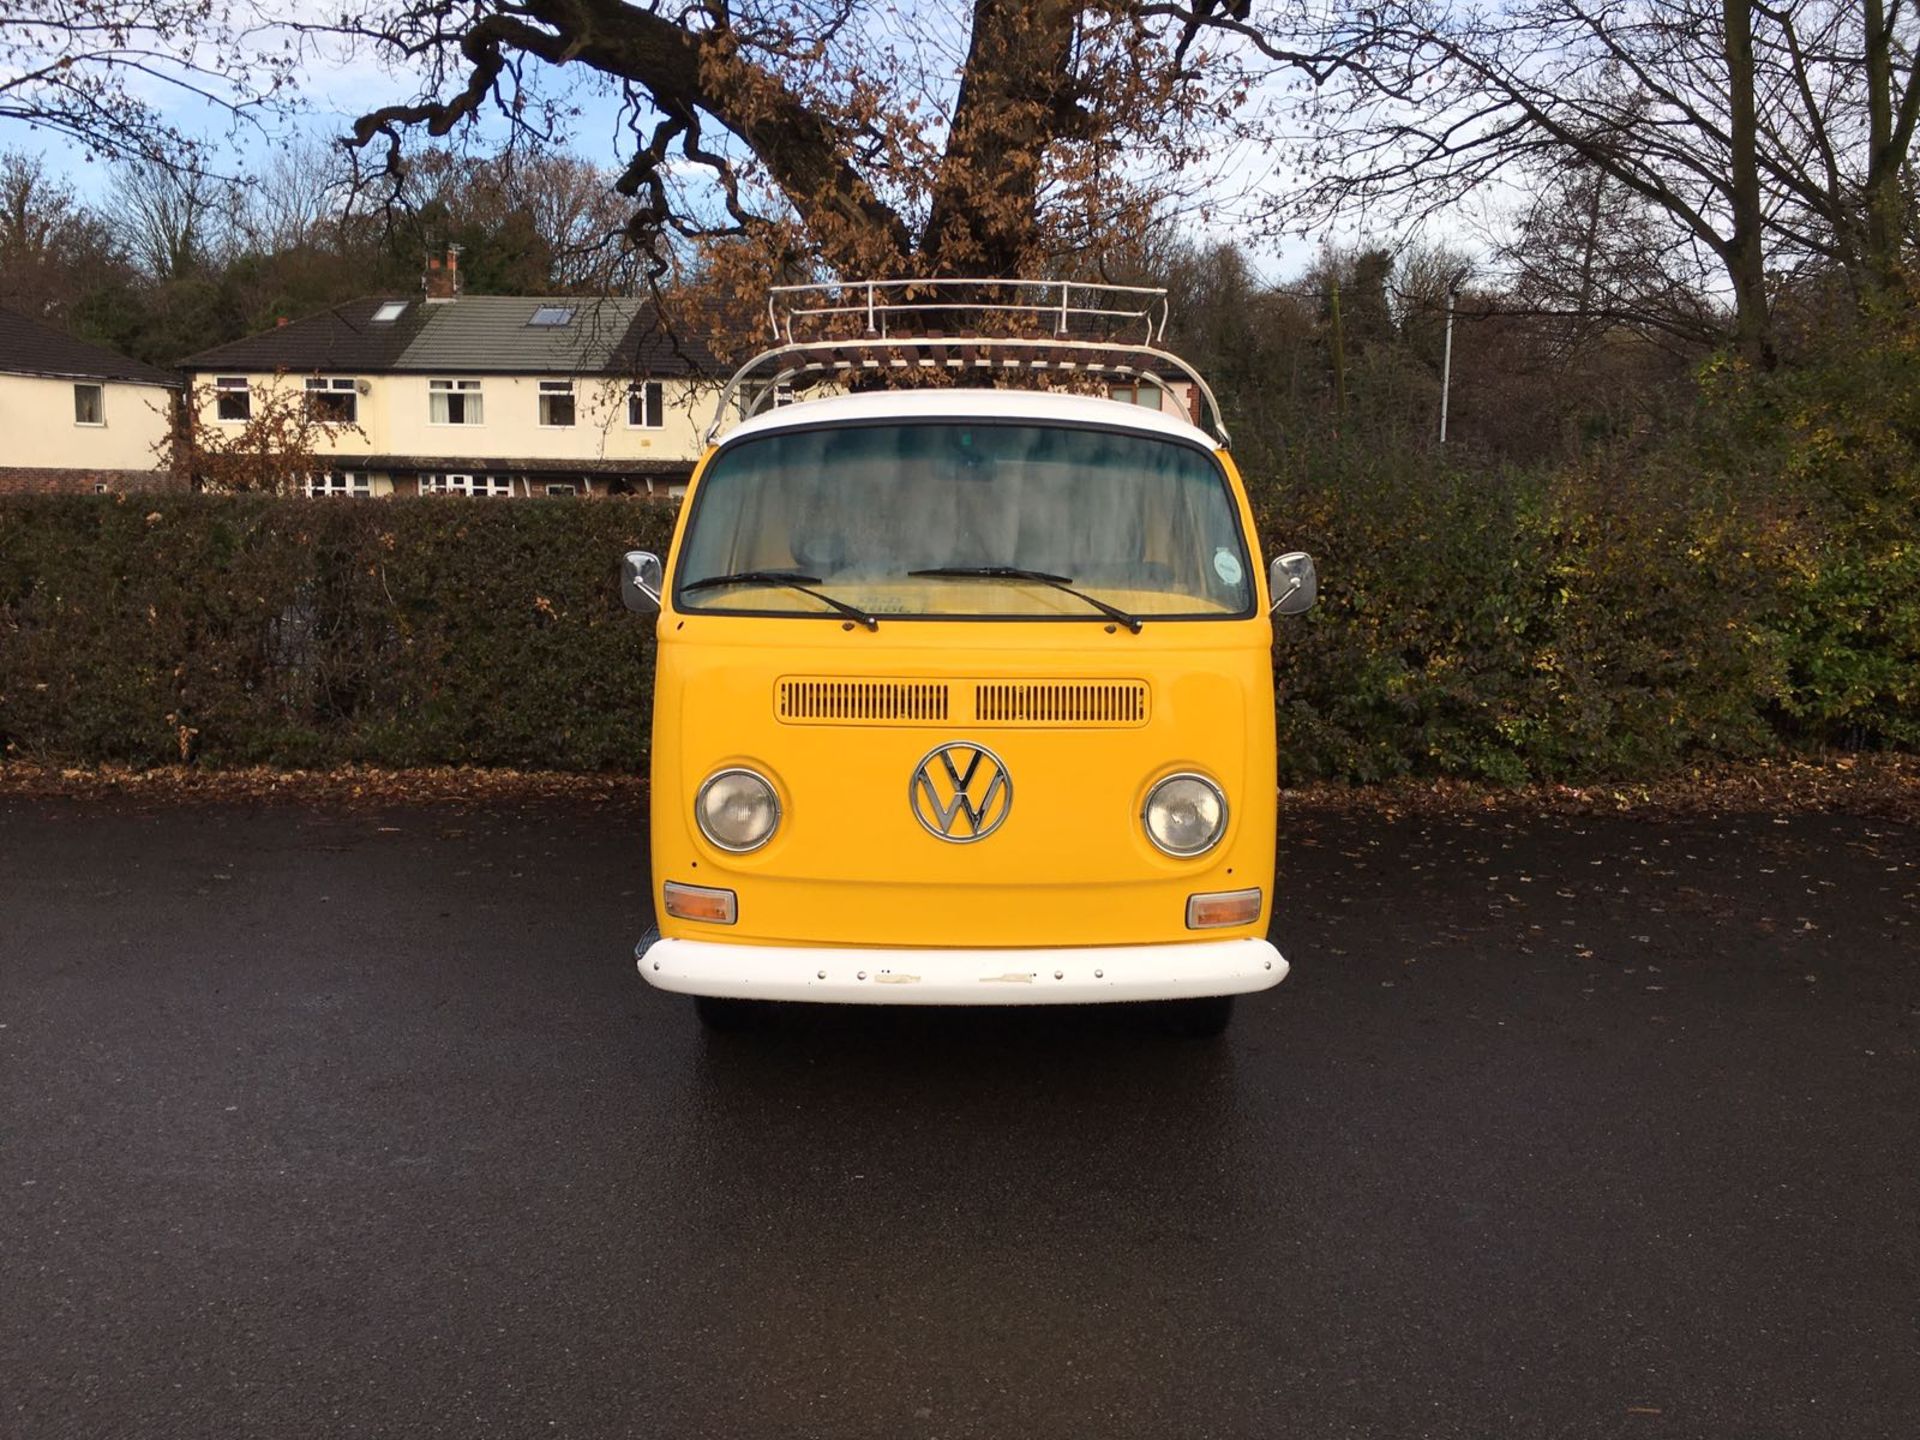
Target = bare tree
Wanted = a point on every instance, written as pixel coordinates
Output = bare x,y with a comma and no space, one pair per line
106,73
34,208
296,199
576,212
565,206
1767,137
876,136
172,221
51,246
1592,257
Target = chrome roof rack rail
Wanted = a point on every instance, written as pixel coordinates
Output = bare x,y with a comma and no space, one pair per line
883,303
872,328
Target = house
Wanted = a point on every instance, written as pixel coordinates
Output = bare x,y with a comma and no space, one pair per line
77,417
488,395
1173,393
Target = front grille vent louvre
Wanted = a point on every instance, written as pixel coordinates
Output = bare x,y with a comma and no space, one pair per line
1061,703
901,702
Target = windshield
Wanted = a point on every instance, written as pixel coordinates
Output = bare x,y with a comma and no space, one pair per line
1143,523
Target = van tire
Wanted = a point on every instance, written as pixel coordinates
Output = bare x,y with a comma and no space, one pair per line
720,1012
1201,1019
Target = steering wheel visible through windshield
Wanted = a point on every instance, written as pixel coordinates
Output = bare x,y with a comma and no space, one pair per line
1144,523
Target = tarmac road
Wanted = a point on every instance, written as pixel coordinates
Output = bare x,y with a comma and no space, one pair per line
339,1124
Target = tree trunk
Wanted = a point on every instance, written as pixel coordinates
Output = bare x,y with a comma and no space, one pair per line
1745,260
1888,136
1015,99
1339,363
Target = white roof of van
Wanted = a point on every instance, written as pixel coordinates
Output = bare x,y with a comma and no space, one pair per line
972,404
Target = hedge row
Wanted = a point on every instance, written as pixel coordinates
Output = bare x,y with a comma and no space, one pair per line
290,632
1577,625
1516,627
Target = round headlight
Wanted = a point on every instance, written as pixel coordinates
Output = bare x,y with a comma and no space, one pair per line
1186,815
737,810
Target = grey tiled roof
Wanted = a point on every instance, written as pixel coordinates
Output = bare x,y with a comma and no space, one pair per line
492,333
344,338
476,334
28,347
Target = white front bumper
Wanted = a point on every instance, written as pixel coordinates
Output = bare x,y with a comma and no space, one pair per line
1064,976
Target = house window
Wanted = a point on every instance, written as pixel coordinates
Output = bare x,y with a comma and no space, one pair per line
552,316
232,400
355,484
559,489
331,400
556,403
646,406
1147,395
389,311
453,402
499,486
89,404
758,399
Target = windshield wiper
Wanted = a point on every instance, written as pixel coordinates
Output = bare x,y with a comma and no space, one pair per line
1038,577
793,580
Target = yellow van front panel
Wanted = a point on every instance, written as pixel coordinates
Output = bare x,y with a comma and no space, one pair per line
1071,865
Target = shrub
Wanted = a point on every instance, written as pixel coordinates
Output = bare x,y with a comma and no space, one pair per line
1507,626
1834,447
253,630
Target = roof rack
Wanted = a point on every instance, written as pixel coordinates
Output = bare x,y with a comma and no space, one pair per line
1064,304
877,327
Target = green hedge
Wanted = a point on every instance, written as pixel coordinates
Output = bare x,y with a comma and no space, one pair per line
1584,624
1514,627
249,630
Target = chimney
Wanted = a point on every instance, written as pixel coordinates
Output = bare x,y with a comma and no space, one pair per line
442,280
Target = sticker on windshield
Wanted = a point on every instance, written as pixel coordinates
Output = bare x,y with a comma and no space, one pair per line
1226,565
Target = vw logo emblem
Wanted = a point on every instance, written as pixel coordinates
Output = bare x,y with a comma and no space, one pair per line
961,792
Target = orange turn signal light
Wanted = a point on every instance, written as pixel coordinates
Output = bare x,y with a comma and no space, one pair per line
1222,908
697,902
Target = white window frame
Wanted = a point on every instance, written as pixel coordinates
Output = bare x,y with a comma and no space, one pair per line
557,389
561,489
338,484
389,311
460,482
99,389
646,391
229,387
472,396
334,387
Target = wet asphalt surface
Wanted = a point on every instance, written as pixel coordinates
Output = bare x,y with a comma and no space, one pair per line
360,1124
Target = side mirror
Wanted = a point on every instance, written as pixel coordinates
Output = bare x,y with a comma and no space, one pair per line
1294,583
640,579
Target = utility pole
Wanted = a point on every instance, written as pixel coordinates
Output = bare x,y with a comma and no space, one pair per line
1446,355
1339,363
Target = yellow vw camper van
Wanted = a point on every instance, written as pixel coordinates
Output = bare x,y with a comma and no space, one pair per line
964,694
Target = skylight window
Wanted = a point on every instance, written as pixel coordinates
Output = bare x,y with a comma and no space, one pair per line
390,311
552,316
